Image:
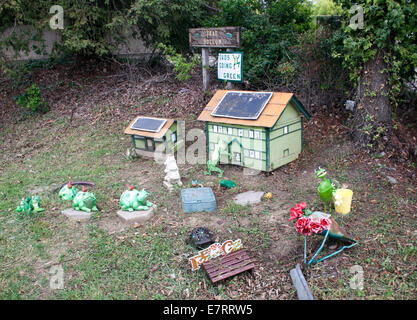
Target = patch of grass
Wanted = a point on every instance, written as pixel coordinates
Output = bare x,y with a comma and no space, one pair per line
40,230
235,210
263,237
137,267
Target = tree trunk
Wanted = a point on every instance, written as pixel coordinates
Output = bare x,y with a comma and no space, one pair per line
372,118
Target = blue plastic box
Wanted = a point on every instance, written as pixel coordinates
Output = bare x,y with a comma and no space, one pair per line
198,200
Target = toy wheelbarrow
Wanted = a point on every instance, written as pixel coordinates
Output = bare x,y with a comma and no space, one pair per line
336,232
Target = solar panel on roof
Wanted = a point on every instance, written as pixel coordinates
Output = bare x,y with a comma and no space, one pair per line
148,124
242,105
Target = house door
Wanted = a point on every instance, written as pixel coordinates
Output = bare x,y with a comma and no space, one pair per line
150,144
235,151
237,158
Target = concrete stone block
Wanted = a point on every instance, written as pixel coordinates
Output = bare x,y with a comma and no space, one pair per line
77,215
136,216
249,197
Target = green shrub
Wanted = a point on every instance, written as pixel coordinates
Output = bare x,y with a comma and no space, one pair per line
269,29
31,99
182,67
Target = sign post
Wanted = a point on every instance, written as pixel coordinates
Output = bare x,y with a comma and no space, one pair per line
229,85
205,38
205,64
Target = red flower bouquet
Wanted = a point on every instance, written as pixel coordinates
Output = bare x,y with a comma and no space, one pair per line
306,222
303,226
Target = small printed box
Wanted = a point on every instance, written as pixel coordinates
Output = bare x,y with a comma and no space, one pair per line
198,200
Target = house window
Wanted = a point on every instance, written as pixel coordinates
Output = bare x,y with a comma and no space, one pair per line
251,134
174,137
140,143
214,128
257,135
286,129
257,155
220,129
237,156
251,153
230,131
213,146
240,132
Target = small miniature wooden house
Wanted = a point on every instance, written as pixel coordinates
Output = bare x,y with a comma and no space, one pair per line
258,130
150,135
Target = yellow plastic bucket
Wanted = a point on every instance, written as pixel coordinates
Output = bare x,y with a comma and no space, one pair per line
342,199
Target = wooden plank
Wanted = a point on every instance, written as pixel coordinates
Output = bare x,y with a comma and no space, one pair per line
225,37
214,101
229,265
216,271
227,273
281,97
225,260
233,273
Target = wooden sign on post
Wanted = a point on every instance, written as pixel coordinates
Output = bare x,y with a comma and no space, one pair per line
225,37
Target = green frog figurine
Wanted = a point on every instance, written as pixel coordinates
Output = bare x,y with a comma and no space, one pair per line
30,204
326,188
67,192
134,200
84,201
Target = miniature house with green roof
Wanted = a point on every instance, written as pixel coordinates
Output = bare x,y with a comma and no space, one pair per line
258,130
152,135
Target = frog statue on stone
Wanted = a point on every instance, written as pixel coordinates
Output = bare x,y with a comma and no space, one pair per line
134,200
67,192
84,201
